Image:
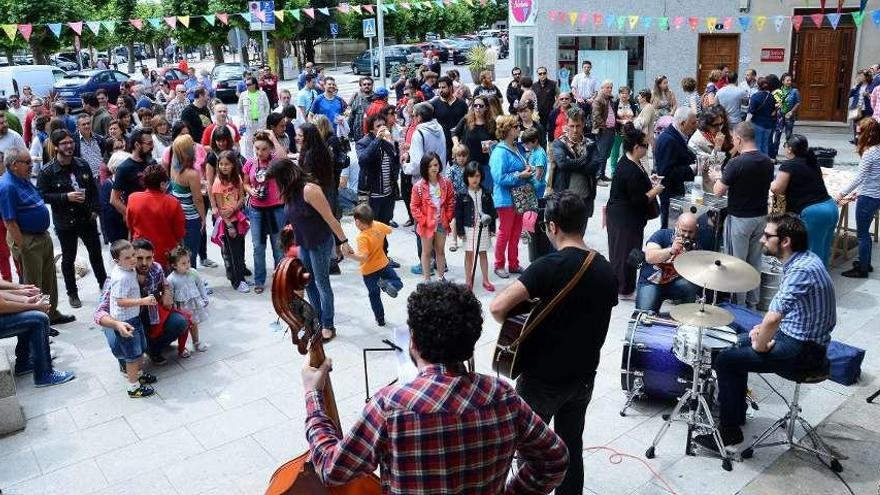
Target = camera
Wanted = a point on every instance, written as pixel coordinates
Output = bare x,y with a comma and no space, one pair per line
687,244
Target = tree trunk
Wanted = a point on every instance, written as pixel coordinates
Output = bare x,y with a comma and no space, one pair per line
37,51
309,49
217,48
10,54
131,57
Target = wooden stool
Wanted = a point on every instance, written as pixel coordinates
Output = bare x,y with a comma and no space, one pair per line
840,246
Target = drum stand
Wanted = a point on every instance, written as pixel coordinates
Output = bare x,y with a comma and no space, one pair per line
698,415
635,387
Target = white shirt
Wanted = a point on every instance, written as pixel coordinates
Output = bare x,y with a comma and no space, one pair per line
585,86
10,139
123,285
750,89
20,112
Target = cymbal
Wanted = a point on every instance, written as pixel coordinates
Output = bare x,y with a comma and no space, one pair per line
707,316
717,271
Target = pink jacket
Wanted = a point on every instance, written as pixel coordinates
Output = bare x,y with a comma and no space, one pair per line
423,208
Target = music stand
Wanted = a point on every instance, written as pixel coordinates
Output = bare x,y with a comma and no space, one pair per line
390,347
873,396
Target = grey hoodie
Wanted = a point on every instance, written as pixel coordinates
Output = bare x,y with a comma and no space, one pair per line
428,137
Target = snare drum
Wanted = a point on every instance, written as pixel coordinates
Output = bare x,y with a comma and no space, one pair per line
648,365
685,348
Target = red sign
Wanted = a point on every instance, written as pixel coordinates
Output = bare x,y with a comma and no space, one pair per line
772,54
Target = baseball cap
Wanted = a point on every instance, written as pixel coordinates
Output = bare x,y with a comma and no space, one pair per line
37,102
381,92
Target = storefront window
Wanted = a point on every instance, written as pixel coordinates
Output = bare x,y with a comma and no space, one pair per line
523,56
619,58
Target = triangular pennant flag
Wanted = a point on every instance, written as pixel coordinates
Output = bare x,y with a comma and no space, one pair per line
279,14
368,8
678,22
55,27
246,16
646,22
597,19
663,23
137,23
344,8
858,17
834,19
572,17
76,26
429,5
710,23
94,26
440,3
744,22
184,19
324,10
727,23
309,12
357,8
583,18
778,22
760,21
862,5
171,21
692,22
109,26
875,17
610,20
224,17
26,30
210,19
391,7
11,30
553,15
261,15
155,22
797,21
633,20
469,2
621,22
296,13
817,19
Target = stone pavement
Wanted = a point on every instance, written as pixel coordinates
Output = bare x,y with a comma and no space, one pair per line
223,420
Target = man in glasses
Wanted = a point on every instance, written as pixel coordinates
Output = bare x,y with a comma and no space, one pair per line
174,109
17,108
329,104
546,90
9,139
730,97
100,116
514,91
129,175
359,103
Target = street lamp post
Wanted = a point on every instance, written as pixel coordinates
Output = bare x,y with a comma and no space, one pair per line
380,32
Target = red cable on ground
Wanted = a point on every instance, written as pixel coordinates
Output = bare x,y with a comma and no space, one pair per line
617,457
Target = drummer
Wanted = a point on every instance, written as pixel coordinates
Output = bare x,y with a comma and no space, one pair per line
658,279
794,333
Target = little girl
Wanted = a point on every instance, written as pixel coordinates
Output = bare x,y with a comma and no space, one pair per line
531,140
470,207
433,207
455,174
189,294
229,197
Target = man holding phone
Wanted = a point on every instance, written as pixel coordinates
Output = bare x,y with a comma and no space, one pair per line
68,185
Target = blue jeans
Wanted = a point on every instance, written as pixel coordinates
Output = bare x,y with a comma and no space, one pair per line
788,355
604,143
372,282
821,219
265,222
175,325
866,208
650,296
763,136
317,262
32,329
786,126
192,237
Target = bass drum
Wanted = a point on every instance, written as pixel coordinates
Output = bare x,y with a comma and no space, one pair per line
648,366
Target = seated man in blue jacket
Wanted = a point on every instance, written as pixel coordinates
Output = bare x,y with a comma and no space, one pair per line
673,160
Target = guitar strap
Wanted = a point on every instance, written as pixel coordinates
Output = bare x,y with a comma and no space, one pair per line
553,302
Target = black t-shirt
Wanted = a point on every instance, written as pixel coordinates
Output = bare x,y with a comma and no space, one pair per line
197,119
748,176
565,346
129,177
448,116
806,186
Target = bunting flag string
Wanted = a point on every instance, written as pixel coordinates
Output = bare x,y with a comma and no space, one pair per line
184,19
26,30
55,28
137,23
223,17
11,30
210,19
109,26
94,26
77,27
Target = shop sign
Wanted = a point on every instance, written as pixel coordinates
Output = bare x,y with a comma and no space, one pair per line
522,12
772,54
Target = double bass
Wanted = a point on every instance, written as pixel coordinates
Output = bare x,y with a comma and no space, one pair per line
298,476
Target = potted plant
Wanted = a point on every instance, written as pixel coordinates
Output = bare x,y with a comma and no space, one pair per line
478,61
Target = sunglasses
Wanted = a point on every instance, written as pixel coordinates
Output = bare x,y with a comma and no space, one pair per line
542,73
478,105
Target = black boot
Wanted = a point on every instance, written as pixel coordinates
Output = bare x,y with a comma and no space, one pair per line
731,435
855,272
857,264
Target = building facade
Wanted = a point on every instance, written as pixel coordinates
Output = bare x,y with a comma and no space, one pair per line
634,49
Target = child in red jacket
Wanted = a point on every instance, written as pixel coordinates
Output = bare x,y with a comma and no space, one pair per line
433,208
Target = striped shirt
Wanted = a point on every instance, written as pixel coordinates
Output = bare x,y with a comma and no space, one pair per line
806,299
447,431
867,179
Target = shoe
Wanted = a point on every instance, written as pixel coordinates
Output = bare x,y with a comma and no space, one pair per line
387,288
852,141
209,290
209,263
627,297
515,271
326,338
200,346
856,264
416,269
247,272
502,273
243,287
74,301
334,268
183,353
380,322
258,289
605,178
603,183
488,286
24,369
53,333
729,436
855,273
409,223
393,264
453,248
147,378
61,319
141,392
158,360
393,224
54,378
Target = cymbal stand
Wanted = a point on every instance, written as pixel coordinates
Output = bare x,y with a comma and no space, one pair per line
698,415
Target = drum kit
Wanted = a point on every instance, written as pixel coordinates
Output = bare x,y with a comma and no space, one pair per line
700,333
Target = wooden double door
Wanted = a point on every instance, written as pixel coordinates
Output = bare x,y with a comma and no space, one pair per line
715,50
821,65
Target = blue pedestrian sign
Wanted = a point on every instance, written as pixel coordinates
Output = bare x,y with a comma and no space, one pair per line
370,27
334,29
264,9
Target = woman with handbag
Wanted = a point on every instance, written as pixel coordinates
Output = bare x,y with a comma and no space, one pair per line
859,100
762,115
510,170
632,202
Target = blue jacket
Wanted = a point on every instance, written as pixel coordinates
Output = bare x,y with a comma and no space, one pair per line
854,99
673,160
505,164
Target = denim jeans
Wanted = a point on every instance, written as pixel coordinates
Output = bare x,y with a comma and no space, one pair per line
566,405
265,222
866,208
192,237
763,136
175,325
32,329
650,296
372,282
604,143
317,262
786,127
788,355
821,219
383,208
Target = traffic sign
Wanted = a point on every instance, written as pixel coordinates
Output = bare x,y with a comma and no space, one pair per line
370,27
334,29
267,9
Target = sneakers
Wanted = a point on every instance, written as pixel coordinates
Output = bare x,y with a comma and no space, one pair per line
729,436
515,271
502,273
61,319
409,223
74,301
200,346
380,322
855,272
386,287
416,269
393,264
56,377
243,287
53,333
158,360
141,392
147,378
209,263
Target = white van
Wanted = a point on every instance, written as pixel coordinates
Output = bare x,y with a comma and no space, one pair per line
41,79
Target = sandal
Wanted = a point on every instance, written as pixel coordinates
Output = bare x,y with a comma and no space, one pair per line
183,353
258,289
331,337
200,346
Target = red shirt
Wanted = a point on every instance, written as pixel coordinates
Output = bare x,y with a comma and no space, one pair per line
447,431
158,217
206,136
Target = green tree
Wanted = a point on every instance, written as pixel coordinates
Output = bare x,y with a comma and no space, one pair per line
42,42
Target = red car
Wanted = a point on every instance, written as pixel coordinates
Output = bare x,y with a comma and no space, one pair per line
173,75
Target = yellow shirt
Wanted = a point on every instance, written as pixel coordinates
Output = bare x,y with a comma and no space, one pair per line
370,242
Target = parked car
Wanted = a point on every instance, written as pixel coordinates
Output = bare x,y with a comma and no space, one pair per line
71,87
41,79
462,47
414,53
226,78
173,75
394,55
71,56
437,48
63,63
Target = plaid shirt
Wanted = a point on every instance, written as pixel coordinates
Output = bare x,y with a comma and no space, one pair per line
154,280
174,109
445,432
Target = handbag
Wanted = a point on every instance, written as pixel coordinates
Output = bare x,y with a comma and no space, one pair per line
525,198
854,114
653,209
